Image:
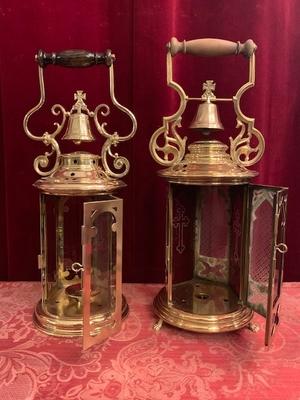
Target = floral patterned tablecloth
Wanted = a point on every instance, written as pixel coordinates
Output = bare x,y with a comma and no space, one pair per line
140,364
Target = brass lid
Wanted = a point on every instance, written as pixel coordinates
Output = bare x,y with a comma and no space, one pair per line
207,163
78,174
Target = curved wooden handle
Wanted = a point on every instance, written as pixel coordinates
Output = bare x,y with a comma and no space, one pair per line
74,58
211,47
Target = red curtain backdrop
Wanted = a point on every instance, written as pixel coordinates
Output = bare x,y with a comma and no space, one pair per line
137,32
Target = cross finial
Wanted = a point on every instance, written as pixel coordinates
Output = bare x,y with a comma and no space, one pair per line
80,105
79,95
208,87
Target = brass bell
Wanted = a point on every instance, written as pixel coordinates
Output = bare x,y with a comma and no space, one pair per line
207,117
79,129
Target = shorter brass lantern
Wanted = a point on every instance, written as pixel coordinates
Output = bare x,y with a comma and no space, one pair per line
80,217
225,238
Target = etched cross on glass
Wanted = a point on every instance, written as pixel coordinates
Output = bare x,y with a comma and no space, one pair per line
180,222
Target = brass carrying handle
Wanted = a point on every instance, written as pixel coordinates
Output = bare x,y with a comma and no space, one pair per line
211,47
74,58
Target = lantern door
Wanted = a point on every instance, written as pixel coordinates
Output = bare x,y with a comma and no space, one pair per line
265,258
102,269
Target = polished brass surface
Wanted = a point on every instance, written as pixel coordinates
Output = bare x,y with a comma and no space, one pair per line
207,117
111,278
202,306
83,298
266,249
81,266
225,238
207,162
172,150
167,147
78,130
62,316
78,173
204,297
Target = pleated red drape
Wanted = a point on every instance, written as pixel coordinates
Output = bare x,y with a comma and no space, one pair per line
137,32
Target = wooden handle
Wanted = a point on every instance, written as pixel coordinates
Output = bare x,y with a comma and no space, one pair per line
211,47
74,58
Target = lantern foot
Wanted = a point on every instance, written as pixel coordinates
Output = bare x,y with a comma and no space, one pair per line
253,327
157,326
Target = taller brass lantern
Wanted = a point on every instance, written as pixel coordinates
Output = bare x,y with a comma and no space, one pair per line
225,238
80,217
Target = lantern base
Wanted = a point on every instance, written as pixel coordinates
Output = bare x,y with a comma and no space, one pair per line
54,325
202,306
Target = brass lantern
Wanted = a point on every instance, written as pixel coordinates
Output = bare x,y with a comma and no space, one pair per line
80,216
225,238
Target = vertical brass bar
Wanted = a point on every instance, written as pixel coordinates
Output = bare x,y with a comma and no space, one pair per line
283,210
60,240
113,269
86,290
169,68
43,247
224,191
117,205
169,246
197,233
245,243
269,316
252,69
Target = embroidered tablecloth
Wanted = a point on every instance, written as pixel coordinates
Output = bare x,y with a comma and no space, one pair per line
140,364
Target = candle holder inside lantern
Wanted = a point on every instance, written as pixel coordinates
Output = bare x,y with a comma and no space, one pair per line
225,237
80,217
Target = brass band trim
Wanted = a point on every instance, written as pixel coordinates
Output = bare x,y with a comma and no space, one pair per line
200,323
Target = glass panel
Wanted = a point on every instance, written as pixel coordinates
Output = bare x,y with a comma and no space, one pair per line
261,247
266,250
182,253
62,254
57,255
205,237
72,208
50,248
277,272
63,296
282,209
213,230
102,264
238,195
103,274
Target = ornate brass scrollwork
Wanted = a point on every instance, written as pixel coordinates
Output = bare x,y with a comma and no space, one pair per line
173,144
42,161
241,149
119,162
248,146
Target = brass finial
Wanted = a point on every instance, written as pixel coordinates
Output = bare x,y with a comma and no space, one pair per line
209,88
